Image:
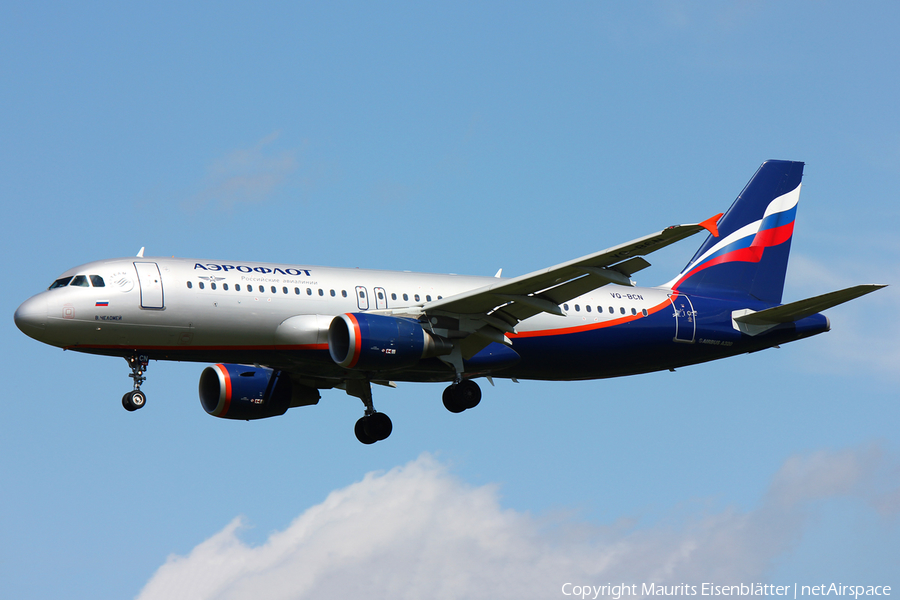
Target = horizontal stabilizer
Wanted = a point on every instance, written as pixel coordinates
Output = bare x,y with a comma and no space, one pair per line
801,309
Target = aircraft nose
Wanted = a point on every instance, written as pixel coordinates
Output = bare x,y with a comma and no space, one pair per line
31,316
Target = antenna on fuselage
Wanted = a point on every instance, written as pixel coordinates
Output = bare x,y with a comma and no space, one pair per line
140,253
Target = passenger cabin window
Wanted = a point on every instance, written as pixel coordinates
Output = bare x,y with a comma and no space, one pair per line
284,289
80,281
393,296
309,291
190,285
200,285
406,297
212,286
588,308
321,292
225,286
622,309
63,282
333,294
274,291
237,287
344,293
428,298
297,291
97,281
644,311
417,297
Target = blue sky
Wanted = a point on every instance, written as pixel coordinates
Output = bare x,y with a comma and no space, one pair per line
461,138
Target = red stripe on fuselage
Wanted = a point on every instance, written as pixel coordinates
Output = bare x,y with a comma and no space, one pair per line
591,326
203,348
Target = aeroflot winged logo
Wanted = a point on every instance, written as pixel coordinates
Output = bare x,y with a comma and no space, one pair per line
246,269
748,243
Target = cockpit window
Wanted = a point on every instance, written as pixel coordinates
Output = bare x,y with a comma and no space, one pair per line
62,282
80,281
97,281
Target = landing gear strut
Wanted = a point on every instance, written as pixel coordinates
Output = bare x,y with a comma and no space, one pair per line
136,399
461,396
372,426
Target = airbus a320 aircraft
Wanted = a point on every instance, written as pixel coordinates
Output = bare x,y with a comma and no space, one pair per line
279,333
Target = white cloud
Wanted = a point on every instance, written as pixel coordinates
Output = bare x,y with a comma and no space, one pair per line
245,176
419,532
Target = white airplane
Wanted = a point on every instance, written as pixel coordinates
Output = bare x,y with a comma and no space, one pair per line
279,333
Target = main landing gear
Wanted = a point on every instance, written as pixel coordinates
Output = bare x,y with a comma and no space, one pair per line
372,426
136,399
461,396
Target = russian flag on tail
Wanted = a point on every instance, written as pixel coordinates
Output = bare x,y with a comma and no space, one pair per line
750,256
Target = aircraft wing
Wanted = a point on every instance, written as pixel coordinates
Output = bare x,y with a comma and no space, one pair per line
495,309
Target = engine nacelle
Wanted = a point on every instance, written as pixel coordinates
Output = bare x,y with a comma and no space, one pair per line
244,392
369,342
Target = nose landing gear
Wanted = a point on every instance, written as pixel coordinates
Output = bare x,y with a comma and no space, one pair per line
136,399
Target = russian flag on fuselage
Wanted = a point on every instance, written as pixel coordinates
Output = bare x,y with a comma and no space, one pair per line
749,258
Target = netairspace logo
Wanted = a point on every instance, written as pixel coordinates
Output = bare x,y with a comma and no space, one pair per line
710,589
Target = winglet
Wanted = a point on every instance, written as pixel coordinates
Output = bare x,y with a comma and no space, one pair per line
140,254
710,224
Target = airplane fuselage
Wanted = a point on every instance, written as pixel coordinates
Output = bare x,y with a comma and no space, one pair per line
242,312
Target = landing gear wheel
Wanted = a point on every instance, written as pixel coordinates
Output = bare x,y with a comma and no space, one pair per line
461,396
134,400
378,426
469,393
361,433
451,400
374,426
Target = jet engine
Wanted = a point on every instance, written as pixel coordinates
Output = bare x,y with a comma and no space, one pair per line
245,392
368,342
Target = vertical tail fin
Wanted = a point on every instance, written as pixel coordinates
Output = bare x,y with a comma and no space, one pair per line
749,257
